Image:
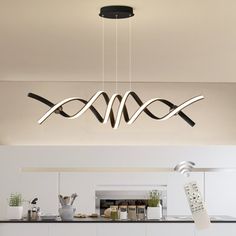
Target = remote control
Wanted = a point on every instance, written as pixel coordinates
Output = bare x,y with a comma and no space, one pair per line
196,204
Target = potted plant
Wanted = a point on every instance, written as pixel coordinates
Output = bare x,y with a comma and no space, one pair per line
15,208
154,210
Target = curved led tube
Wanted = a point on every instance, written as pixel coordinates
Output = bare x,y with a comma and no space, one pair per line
109,114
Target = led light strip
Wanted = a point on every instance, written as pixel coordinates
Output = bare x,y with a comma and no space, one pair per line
122,109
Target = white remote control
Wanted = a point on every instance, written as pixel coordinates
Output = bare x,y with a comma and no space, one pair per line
196,204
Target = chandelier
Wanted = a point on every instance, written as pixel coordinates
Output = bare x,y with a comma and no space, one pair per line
116,12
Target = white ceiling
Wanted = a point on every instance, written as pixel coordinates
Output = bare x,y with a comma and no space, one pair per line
173,41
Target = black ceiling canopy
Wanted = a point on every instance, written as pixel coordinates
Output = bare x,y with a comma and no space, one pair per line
116,12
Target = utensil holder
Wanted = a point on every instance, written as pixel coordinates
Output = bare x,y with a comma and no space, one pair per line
67,212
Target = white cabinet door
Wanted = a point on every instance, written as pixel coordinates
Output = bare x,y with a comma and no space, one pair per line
170,229
69,229
118,229
221,193
177,203
25,229
218,229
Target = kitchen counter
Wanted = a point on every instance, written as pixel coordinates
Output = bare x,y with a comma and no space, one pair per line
169,219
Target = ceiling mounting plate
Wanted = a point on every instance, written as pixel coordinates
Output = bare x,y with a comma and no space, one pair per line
116,12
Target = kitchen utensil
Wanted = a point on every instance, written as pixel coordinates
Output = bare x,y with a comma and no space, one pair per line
34,201
66,200
61,200
73,197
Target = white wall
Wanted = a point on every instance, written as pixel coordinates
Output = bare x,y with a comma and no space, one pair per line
48,185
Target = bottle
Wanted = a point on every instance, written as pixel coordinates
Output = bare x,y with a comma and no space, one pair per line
34,209
29,215
34,215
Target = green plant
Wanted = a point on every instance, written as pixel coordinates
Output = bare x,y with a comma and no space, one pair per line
154,198
15,200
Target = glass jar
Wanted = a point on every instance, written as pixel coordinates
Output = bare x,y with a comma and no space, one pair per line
132,215
141,212
123,212
114,212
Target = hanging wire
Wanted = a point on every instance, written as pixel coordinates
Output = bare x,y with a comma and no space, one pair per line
116,55
103,55
130,53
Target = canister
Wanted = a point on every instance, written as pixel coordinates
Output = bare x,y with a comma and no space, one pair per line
141,212
114,212
132,215
123,212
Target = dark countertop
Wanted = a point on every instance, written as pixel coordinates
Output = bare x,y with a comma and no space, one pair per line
169,219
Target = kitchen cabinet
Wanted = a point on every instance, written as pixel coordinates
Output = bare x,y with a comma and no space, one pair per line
26,229
218,229
170,229
114,229
86,229
220,193
124,229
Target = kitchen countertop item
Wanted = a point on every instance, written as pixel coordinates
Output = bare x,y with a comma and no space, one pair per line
123,213
132,214
79,215
114,212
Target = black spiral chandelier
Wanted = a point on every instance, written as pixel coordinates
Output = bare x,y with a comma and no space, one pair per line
122,110
116,12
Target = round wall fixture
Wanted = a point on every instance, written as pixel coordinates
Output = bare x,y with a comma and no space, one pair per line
116,12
